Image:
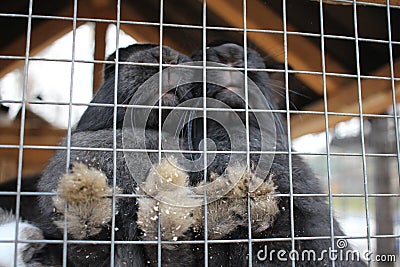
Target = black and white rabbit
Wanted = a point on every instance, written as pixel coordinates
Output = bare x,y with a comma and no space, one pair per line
28,254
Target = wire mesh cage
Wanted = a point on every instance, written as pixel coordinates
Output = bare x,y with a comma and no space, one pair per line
219,133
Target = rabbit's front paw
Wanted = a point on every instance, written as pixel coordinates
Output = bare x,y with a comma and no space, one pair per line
231,210
85,193
170,200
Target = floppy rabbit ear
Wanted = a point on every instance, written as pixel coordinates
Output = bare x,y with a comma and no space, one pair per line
123,55
97,117
101,117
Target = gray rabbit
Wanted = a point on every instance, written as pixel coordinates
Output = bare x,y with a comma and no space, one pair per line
249,181
86,187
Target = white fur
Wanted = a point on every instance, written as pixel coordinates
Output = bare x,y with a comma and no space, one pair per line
7,233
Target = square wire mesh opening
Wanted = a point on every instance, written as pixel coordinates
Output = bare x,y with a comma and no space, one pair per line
220,133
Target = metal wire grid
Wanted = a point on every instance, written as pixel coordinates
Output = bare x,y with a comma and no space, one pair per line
21,137
27,58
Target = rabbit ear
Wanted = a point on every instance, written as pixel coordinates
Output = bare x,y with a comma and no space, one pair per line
123,55
97,117
101,117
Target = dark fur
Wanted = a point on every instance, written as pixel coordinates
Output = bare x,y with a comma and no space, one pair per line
28,204
95,129
130,78
99,255
311,214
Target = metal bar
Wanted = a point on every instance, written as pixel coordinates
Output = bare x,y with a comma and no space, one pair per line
392,75
160,93
339,154
204,72
69,131
117,33
246,98
21,134
318,73
326,118
189,26
364,161
285,49
214,241
338,195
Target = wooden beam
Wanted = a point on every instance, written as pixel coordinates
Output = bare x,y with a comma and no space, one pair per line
34,160
150,34
99,54
142,34
376,98
101,4
147,34
45,33
33,135
8,168
303,55
349,3
42,35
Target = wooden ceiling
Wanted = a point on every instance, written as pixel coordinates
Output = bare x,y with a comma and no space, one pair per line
140,19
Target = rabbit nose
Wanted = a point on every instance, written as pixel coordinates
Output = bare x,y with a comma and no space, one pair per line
172,59
231,54
170,56
236,64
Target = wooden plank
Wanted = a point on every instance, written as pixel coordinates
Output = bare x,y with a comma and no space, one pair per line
304,55
376,98
42,35
99,54
142,34
8,168
349,3
45,33
34,160
148,34
36,136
